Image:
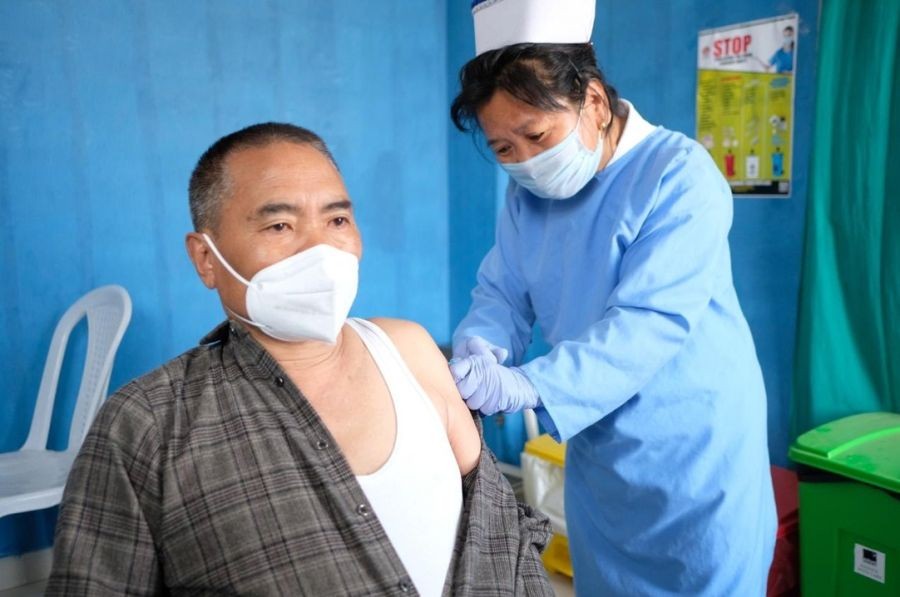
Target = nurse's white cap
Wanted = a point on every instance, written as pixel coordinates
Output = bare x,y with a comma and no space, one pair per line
501,23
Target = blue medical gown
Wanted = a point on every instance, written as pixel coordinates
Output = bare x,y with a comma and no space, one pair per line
653,377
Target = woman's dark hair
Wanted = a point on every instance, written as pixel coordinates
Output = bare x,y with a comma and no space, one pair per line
538,74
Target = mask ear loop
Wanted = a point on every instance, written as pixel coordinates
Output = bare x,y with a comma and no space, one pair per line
227,266
234,273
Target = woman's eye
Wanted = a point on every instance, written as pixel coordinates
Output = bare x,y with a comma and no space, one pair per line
503,151
535,137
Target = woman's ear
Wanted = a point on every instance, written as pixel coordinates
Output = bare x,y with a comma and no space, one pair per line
597,102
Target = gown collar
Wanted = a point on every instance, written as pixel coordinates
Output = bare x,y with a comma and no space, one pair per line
636,130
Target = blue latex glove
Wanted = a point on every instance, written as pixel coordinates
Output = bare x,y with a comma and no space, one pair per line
487,386
478,346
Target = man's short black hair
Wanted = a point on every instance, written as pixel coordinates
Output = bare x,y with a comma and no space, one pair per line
209,180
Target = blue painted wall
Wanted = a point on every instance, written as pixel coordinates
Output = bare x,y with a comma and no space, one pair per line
473,177
105,107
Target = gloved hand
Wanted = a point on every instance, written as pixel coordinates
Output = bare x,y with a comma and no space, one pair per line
476,345
487,386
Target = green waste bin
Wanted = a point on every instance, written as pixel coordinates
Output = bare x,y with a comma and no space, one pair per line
850,506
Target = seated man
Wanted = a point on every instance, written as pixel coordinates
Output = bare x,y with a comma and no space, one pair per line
295,451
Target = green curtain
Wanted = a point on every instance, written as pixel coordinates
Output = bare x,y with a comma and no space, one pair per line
848,340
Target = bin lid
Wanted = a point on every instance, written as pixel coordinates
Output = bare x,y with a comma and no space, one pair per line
863,447
544,446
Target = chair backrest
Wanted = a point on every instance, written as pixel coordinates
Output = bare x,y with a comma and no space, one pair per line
108,311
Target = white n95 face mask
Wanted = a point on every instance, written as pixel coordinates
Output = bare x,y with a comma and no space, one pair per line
562,170
306,296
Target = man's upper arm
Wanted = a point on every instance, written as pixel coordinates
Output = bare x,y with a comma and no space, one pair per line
104,544
426,362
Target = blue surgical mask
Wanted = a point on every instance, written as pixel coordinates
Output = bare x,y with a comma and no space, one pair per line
561,171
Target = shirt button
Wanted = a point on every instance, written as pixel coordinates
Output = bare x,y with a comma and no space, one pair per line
363,510
279,381
321,444
405,586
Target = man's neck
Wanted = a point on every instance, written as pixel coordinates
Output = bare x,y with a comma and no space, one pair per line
300,357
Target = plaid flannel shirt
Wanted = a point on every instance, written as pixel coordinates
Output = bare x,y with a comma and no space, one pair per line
213,474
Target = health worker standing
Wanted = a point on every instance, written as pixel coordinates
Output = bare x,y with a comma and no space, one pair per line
614,239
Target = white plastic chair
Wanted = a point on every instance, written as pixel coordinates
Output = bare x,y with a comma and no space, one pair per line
33,477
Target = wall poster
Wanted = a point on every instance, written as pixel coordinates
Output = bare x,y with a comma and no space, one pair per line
745,103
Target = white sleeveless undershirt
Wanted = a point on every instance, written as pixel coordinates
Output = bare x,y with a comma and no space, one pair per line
417,493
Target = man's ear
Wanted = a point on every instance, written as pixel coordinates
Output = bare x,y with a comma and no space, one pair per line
202,258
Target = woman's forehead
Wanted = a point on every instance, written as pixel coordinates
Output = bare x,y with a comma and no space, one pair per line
504,111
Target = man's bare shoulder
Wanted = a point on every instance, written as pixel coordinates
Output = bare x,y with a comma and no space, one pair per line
421,354
409,334
428,365
399,325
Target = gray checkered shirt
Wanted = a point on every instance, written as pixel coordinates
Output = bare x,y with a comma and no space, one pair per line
213,474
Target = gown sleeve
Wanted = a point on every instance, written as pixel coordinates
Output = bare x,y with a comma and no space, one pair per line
501,310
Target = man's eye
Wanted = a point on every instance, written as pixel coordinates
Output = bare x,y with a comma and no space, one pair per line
340,221
504,150
279,227
536,136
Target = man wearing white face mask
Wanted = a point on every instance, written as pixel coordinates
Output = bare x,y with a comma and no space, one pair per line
614,239
296,452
